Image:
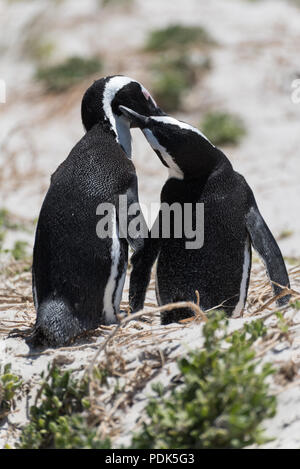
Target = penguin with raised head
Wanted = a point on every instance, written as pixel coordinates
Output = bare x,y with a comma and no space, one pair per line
78,277
199,173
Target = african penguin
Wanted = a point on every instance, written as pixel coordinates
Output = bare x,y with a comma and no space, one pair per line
220,269
78,277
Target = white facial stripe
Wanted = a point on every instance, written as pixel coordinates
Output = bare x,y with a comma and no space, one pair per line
243,288
181,125
121,130
174,170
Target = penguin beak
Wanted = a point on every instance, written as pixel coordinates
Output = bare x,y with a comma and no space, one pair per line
135,119
159,112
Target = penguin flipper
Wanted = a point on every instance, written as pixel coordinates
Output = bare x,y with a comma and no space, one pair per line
142,262
268,249
129,209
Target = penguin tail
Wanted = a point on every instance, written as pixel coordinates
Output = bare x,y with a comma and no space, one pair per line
56,324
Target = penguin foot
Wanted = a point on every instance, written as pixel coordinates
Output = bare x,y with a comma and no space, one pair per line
122,314
175,315
284,300
136,303
110,319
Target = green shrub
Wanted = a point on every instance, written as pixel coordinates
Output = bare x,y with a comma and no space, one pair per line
38,49
72,432
9,383
282,323
222,128
292,260
173,76
57,419
223,398
60,77
6,220
19,251
285,234
7,223
296,305
177,71
177,35
169,89
122,3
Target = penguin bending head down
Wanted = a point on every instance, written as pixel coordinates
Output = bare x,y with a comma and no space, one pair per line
220,269
101,104
78,277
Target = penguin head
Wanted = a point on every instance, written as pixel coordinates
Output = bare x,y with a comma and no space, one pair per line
100,104
183,149
102,100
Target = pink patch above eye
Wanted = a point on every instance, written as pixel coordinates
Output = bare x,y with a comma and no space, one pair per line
148,96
